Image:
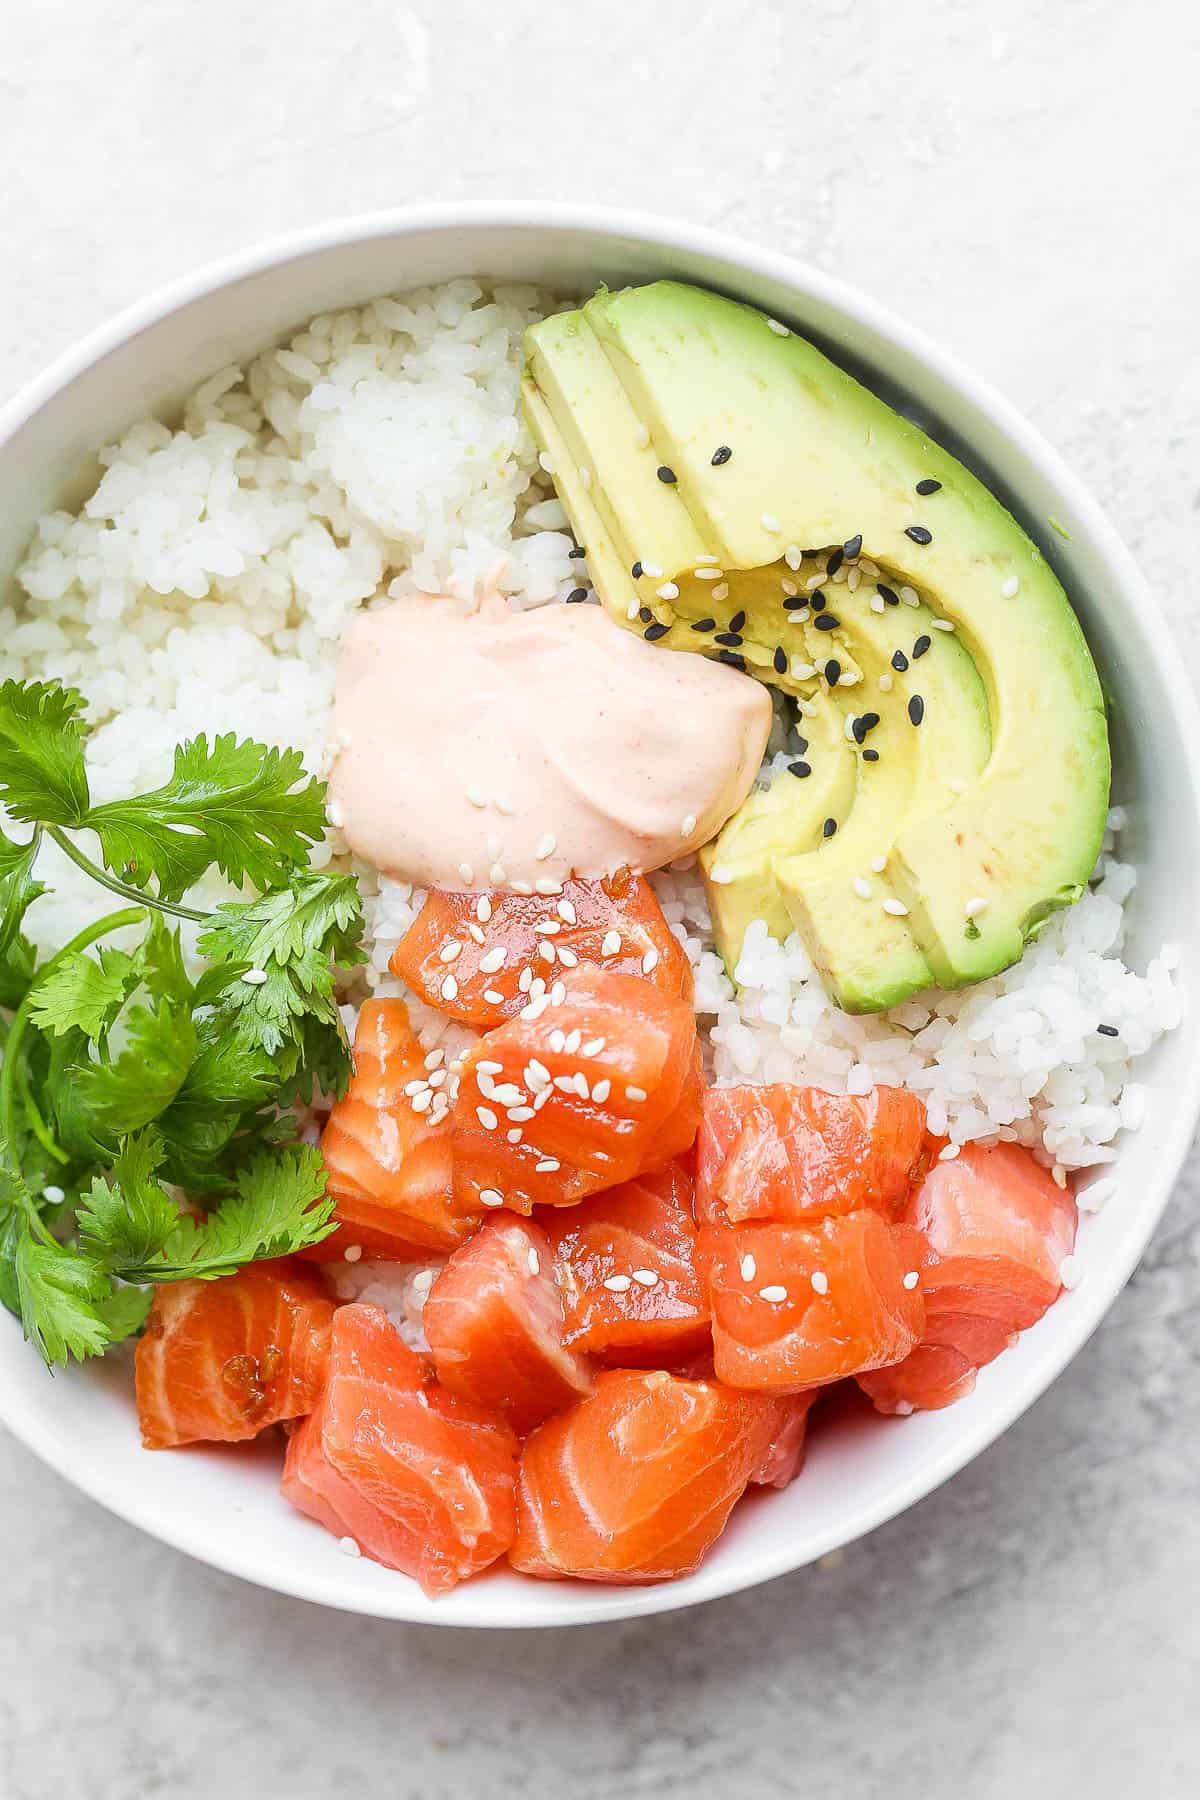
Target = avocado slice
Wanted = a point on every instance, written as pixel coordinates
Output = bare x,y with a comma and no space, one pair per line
735,487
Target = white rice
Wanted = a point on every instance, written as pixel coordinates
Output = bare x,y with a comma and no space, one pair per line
205,586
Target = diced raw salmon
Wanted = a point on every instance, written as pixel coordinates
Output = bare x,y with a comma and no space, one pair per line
991,1229
390,1169
421,1480
494,1323
797,1153
784,1457
220,1360
796,1306
598,1087
495,940
636,1483
626,1263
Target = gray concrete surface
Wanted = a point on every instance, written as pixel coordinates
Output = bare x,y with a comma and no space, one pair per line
1021,179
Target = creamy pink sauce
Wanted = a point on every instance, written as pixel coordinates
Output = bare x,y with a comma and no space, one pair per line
501,748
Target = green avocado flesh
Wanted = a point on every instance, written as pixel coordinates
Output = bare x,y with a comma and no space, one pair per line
955,781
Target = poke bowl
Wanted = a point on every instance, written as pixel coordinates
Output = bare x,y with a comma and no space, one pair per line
302,500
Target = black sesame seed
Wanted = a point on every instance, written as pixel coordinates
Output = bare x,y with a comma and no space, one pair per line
780,660
652,633
720,455
899,661
836,559
868,721
801,745
576,595
577,552
636,571
916,709
828,828
795,602
737,621
667,475
888,595
921,646
817,600
918,534
928,486
833,671
733,638
645,615
853,545
733,659
827,621
800,769
705,625
1108,1031
870,756
858,730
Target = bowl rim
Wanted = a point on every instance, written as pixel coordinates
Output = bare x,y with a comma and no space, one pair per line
663,232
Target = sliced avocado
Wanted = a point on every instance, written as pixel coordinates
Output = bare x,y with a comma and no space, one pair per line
723,473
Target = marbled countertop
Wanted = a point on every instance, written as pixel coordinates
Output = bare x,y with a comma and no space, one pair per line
1020,180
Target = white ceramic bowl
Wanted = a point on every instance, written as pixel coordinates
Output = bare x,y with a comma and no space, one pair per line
223,1506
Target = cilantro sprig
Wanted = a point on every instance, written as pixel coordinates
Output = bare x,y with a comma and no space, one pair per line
125,1080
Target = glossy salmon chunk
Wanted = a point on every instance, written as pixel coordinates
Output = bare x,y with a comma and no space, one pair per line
220,1360
421,1480
636,1483
477,957
798,1153
598,1086
626,1263
991,1229
495,1325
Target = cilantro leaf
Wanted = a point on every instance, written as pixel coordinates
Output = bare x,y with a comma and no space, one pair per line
17,966
125,1094
123,1311
84,993
280,1206
234,804
42,776
132,1220
59,1294
222,1108
292,937
18,889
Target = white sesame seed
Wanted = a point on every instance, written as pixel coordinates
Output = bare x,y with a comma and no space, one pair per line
878,864
819,1281
949,1152
541,1097
487,1118
652,570
515,1135
635,1095
483,909
912,1278
415,1087
802,671
720,876
546,461
352,1253
546,950
547,1166
437,1078
848,727
848,679
885,683
812,583
721,591
774,1293
1059,1175
749,1268
877,603
862,888
449,988
641,436
897,908
534,1260
558,994
546,884
611,944
494,960
770,523
520,1115
942,624
1069,1271
547,927
645,1277
601,1091
467,873
708,574
566,912
558,1041
422,1102
493,996
435,1059
581,1085
491,1197
337,817
974,907
631,611
536,1074
476,932
547,845
508,1094
564,1083
349,1546
497,875
910,596
254,977
650,961
450,952
567,956
852,579
687,825
1010,587
525,980
476,797
793,556
618,1284
594,1046
778,329
789,588
869,569
668,591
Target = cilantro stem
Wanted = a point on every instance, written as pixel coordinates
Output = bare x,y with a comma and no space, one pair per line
114,921
121,888
37,1124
